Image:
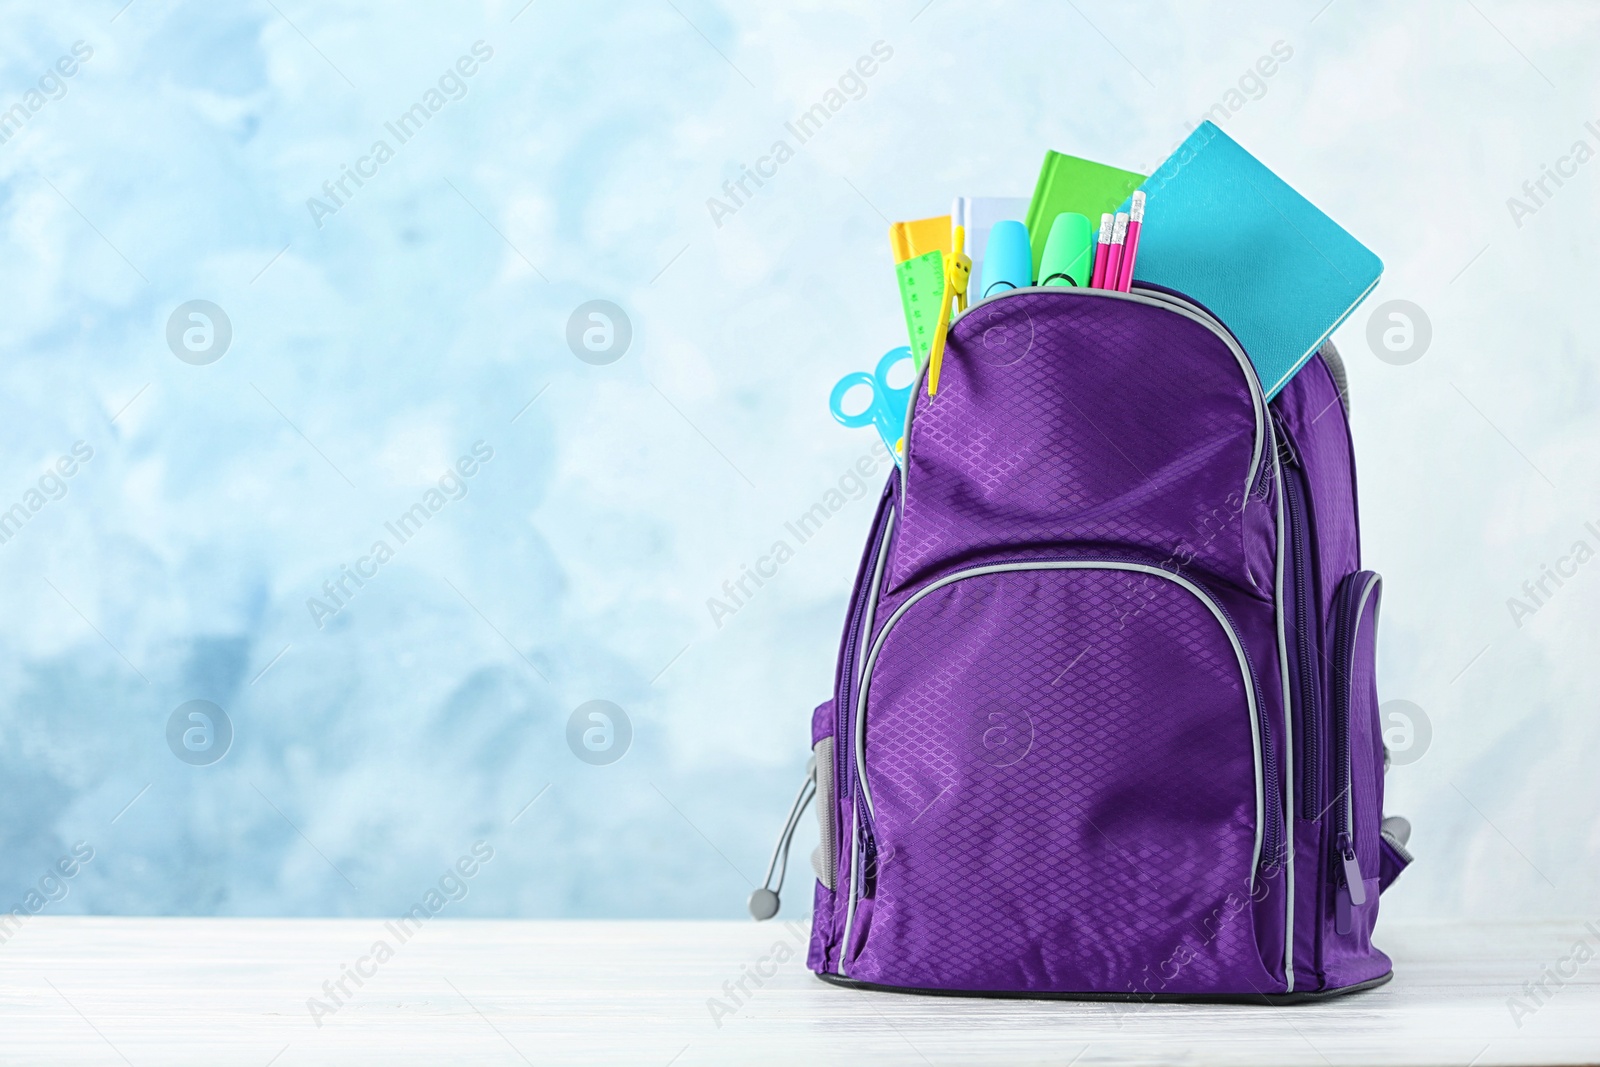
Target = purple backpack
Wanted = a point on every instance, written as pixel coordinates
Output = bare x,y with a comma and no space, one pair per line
1105,718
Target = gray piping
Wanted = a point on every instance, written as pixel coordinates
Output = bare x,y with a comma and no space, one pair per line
1288,730
867,620
855,888
872,593
1349,673
1044,565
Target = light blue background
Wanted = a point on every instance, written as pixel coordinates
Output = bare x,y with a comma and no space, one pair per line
372,351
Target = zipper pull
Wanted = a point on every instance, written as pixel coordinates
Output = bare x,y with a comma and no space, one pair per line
764,901
1353,893
1352,872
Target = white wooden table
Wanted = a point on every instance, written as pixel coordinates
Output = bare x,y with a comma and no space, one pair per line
222,992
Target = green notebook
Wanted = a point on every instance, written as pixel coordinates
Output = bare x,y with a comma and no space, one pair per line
1067,183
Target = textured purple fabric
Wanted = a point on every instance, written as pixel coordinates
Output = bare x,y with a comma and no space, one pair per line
1366,743
821,926
1312,413
822,722
1047,818
1070,420
1062,758
1390,863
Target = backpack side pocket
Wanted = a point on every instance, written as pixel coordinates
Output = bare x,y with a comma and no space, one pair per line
1356,776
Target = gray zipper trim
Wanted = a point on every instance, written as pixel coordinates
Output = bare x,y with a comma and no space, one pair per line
868,618
1349,673
859,741
1150,298
1288,726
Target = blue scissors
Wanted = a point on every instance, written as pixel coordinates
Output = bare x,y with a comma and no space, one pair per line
887,408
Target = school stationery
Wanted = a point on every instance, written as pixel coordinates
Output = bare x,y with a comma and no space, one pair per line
1069,251
1119,236
1067,183
886,405
960,267
977,214
1130,243
912,239
1102,249
957,270
1231,234
1008,260
922,281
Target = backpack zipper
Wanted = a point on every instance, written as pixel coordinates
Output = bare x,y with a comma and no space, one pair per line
860,622
1351,890
855,672
1310,723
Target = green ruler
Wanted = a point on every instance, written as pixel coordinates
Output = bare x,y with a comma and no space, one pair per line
921,290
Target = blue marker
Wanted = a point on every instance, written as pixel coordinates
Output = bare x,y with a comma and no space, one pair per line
1007,259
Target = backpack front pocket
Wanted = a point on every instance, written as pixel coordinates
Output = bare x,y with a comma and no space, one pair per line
1086,416
1062,808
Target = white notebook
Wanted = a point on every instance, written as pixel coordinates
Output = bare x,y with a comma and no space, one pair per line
977,214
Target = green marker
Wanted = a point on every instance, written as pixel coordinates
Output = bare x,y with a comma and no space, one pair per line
1068,252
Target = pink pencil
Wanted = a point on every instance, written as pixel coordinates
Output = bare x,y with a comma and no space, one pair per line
1102,248
1130,246
1119,234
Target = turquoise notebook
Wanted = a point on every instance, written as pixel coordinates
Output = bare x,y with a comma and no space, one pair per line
1223,229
